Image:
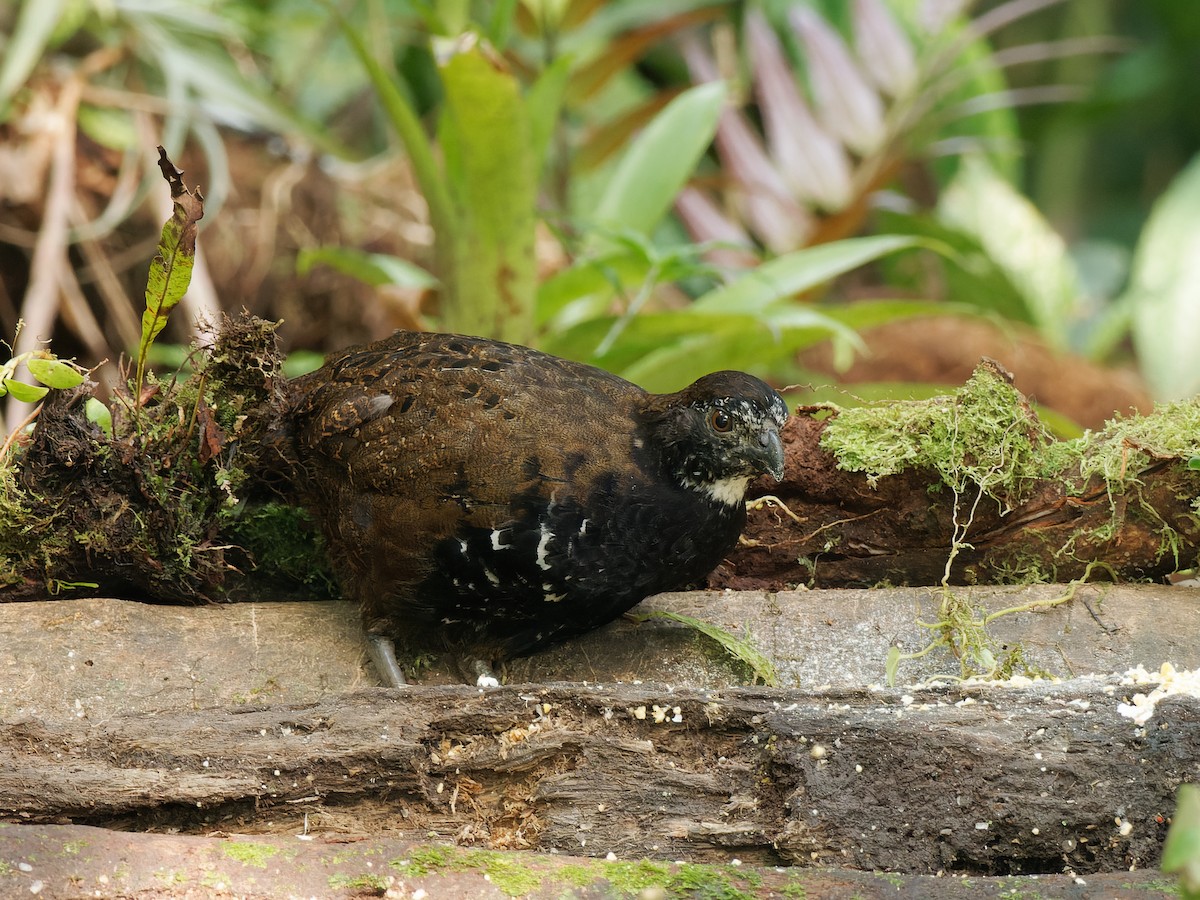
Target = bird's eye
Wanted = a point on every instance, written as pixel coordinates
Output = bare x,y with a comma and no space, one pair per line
720,421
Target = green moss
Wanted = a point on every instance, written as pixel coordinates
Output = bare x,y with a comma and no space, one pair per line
579,875
284,545
424,859
1127,446
367,883
249,853
982,436
686,879
507,874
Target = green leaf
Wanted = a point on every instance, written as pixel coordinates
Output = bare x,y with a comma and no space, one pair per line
601,276
54,373
375,269
99,415
171,269
659,161
544,101
27,43
800,271
1018,240
1164,292
1181,849
485,135
408,126
26,393
892,665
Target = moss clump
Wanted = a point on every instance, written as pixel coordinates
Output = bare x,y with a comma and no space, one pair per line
508,875
425,859
682,880
368,883
155,506
1127,446
249,853
283,546
983,436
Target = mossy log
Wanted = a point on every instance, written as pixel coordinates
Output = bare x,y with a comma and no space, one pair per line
982,780
972,488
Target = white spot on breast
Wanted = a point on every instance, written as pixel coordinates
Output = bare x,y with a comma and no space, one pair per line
549,595
543,546
491,576
497,544
463,545
583,527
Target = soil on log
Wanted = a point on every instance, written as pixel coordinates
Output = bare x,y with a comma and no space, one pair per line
79,861
1016,506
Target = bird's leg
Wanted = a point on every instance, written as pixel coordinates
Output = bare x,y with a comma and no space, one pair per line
382,651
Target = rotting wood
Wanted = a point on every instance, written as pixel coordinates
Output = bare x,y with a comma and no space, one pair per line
841,529
981,780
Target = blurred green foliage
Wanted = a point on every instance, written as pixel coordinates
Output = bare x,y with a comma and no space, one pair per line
657,191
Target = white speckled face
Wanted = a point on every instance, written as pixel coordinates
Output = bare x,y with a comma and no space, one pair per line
732,440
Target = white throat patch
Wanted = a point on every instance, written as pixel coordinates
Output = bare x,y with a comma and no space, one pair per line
729,491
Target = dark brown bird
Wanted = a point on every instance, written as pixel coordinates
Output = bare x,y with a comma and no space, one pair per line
499,499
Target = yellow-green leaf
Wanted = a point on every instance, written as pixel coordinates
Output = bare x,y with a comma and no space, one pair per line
26,393
171,268
487,141
99,415
1181,850
54,373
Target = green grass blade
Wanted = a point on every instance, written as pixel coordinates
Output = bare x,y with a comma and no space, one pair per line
408,126
800,271
27,44
742,650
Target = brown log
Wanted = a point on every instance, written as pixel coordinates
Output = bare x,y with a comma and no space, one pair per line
846,528
983,780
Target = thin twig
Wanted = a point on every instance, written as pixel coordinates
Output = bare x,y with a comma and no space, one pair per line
16,432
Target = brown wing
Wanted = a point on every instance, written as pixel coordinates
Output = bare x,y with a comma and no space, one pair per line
412,437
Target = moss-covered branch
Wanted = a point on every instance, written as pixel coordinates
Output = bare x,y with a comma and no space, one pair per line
972,488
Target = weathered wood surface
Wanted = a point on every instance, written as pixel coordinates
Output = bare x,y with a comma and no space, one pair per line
89,659
981,780
61,861
261,717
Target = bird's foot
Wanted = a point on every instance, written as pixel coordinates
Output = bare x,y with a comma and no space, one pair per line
480,671
382,651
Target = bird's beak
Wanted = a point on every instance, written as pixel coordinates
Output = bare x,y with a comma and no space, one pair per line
770,457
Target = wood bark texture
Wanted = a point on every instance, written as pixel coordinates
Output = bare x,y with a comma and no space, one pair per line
982,780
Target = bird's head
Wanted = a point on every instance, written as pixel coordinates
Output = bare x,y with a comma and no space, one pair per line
719,433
